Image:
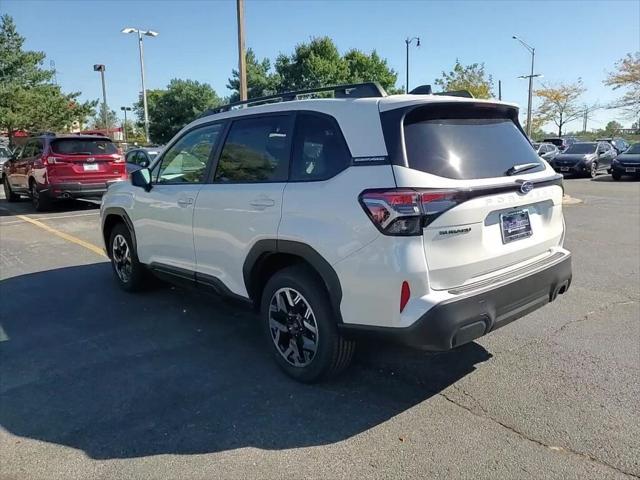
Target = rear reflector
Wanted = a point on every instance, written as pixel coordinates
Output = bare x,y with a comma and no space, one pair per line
405,294
405,212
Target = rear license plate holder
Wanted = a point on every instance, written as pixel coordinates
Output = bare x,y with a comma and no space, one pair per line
91,167
564,169
515,226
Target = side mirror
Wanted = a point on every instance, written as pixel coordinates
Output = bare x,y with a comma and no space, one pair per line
144,163
141,178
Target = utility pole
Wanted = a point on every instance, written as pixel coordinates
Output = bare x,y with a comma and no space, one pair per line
242,61
408,42
100,68
499,89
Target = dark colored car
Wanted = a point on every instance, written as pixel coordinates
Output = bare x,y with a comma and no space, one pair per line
627,163
561,142
584,159
620,144
51,167
548,151
141,157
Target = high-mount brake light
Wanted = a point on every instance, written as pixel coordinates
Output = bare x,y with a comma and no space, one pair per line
406,211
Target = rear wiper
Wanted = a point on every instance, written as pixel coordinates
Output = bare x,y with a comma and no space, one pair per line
520,168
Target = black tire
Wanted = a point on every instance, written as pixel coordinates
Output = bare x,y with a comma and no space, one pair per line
593,170
130,279
333,352
40,202
8,193
616,176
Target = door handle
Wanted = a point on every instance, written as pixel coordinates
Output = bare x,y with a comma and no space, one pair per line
185,202
262,202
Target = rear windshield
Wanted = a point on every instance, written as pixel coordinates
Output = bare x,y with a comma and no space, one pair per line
82,146
556,141
466,148
581,148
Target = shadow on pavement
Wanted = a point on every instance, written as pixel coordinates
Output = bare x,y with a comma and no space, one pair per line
117,375
24,207
609,178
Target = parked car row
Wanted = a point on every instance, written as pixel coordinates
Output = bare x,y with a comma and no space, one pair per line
588,159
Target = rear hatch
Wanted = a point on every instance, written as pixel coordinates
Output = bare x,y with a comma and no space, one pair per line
84,160
489,203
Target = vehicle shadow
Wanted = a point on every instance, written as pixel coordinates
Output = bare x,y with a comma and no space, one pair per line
609,178
116,375
24,207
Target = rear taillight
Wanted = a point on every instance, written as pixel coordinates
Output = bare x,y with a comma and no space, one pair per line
50,160
406,211
117,158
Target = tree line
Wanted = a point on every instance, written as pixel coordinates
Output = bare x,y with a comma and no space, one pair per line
30,100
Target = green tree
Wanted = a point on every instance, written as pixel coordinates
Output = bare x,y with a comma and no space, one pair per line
28,99
561,103
98,121
261,80
612,128
472,78
175,107
627,77
370,68
311,65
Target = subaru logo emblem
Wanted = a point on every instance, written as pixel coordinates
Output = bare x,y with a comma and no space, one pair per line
526,187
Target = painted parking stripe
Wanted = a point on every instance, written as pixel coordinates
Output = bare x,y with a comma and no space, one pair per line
70,238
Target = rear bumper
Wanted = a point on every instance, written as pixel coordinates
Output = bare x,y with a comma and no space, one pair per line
75,190
470,315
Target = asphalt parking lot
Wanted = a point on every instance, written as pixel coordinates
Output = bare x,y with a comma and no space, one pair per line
97,383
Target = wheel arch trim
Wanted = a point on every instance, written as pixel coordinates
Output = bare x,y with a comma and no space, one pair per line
262,249
118,212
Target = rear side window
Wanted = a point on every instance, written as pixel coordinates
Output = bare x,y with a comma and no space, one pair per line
467,148
256,150
319,151
82,146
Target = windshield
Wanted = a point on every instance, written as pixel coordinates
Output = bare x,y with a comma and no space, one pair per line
466,148
581,148
556,141
635,148
83,146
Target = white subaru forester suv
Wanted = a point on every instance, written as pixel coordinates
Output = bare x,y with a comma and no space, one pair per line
427,218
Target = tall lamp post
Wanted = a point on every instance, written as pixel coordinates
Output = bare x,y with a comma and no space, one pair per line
100,68
148,33
408,42
531,76
124,127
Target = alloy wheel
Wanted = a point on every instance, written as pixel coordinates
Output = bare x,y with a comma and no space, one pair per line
594,170
35,196
293,327
121,258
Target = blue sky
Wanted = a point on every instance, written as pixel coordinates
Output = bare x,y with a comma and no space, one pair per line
198,39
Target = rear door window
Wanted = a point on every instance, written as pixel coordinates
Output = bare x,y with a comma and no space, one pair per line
83,146
256,150
319,151
467,148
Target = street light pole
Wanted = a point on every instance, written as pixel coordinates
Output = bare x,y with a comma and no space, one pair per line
144,89
408,42
100,68
532,51
148,33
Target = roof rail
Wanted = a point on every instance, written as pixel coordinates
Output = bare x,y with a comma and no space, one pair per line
353,90
426,90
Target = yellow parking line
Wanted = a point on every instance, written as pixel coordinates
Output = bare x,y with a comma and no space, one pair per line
70,238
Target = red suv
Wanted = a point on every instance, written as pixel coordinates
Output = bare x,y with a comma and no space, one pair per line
51,167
